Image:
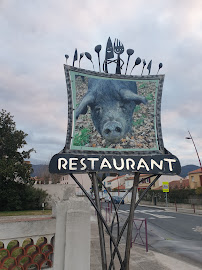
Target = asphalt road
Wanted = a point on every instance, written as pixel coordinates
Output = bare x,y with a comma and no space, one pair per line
174,234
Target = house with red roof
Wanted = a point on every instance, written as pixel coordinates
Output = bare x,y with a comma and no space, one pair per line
195,178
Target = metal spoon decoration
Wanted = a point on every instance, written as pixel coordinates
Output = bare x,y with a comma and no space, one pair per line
160,66
129,53
149,67
66,56
137,62
144,64
81,56
88,55
97,50
75,57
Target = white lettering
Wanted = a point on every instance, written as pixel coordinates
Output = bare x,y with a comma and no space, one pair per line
71,163
93,162
105,163
83,164
62,165
142,164
170,160
128,166
153,162
115,164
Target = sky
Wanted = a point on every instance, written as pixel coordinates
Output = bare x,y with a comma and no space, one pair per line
35,36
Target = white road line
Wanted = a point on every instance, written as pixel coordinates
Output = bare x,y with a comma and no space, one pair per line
148,212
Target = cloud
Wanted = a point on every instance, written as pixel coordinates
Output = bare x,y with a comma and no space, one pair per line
35,36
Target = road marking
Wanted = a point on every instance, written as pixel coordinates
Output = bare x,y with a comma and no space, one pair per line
149,212
197,229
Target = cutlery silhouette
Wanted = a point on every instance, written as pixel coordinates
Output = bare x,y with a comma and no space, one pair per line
75,56
144,64
118,49
88,55
129,53
98,49
108,54
149,67
81,56
66,56
160,66
137,62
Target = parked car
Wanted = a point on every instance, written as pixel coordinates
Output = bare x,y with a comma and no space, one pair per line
117,199
107,199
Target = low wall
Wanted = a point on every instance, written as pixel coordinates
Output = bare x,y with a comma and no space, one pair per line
59,242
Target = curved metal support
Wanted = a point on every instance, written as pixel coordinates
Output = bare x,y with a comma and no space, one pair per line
102,219
115,214
126,222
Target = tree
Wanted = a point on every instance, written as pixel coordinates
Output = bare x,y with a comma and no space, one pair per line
12,160
15,195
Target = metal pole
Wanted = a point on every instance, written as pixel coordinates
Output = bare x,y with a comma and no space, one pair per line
100,225
130,221
146,235
166,200
195,149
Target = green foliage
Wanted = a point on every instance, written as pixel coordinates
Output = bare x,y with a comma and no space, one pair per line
138,122
82,138
16,195
149,96
11,156
199,191
142,85
174,195
137,108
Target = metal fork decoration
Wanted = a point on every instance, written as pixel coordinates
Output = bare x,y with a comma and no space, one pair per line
118,49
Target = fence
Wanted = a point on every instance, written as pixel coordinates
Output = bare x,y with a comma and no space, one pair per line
140,235
58,242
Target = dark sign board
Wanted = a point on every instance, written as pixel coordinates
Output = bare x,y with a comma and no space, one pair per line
113,125
74,163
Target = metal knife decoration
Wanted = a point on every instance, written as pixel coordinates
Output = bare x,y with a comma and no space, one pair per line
108,55
113,50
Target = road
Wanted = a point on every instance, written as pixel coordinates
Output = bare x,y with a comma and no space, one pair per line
174,234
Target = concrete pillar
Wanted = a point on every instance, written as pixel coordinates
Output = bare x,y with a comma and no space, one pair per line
60,212
59,249
77,251
72,237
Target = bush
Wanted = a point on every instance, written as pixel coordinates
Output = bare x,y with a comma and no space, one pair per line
17,196
175,195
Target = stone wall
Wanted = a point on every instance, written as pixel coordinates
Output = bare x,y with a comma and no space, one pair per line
59,242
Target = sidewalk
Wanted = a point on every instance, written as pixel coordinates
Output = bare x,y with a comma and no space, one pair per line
140,259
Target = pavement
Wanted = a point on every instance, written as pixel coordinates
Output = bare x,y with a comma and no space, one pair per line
139,258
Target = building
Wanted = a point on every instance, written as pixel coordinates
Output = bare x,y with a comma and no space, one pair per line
195,178
165,178
177,184
143,185
83,179
115,182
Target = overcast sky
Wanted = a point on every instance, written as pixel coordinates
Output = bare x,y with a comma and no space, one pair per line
35,35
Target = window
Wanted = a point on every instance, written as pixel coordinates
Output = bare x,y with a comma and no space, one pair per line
148,180
192,178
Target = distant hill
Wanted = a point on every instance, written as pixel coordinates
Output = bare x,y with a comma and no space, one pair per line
38,169
188,168
41,168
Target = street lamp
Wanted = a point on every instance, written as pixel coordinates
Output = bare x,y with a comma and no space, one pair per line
190,138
